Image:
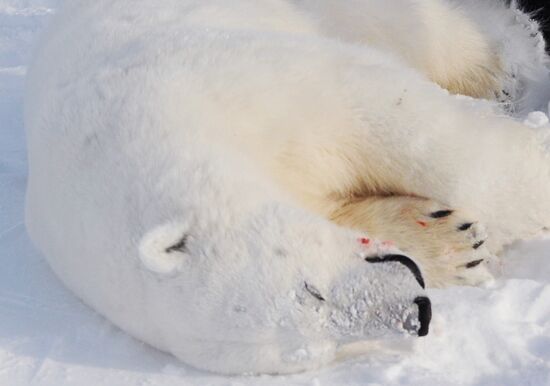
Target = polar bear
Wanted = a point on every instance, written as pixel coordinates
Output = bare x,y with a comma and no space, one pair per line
250,185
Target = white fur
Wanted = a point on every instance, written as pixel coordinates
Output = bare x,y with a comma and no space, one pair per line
240,125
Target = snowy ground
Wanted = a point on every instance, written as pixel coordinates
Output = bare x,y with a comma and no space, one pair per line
491,336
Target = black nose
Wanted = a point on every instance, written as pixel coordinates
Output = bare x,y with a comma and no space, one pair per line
424,314
406,261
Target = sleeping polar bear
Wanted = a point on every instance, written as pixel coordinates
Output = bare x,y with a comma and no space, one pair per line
250,185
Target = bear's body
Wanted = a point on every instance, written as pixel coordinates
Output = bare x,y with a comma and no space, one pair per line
186,158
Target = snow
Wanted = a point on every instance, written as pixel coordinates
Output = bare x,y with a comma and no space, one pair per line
536,119
499,335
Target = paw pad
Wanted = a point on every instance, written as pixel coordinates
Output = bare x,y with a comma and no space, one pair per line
364,241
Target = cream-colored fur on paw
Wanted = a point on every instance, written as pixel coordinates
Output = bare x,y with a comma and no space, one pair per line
447,243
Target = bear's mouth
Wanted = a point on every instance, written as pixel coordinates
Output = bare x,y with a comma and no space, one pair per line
406,261
424,304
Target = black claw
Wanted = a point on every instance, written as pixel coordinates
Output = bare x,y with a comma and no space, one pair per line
465,226
441,213
406,261
474,263
314,292
424,314
478,244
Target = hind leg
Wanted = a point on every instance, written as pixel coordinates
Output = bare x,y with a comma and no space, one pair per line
516,39
435,37
448,244
492,50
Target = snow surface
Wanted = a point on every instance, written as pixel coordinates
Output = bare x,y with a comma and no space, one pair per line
498,335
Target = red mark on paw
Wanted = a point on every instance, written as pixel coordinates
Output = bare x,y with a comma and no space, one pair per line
364,241
422,223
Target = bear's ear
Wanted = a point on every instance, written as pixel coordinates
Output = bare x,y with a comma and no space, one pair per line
163,250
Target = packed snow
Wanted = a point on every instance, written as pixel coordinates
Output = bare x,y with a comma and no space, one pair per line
498,335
